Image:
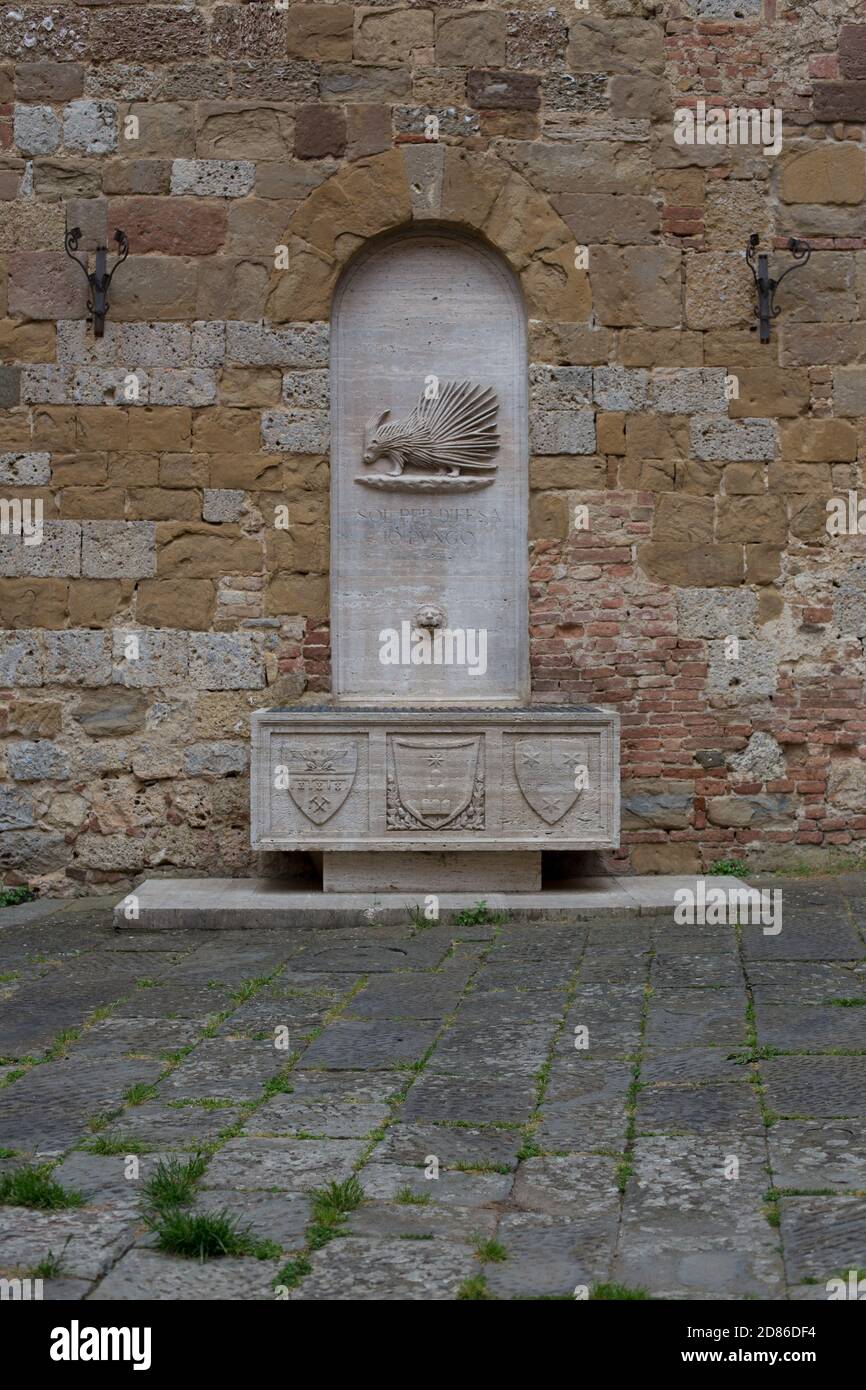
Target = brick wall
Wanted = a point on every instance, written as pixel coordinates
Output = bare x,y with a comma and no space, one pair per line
701,594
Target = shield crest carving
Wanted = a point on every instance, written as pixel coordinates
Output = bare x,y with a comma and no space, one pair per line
435,777
320,777
547,774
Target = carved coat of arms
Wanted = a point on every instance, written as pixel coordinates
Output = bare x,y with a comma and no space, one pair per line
549,774
450,436
435,784
320,777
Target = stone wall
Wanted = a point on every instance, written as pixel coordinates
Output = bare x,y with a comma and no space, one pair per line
249,150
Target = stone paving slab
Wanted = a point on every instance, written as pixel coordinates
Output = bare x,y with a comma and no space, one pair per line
816,1086
548,1257
432,1220
699,1109
454,1148
292,1165
806,982
227,1068
287,1115
362,1268
270,1216
559,1186
823,1236
702,1266
145,1274
90,1240
387,1181
819,1154
381,1044
811,1027
644,1158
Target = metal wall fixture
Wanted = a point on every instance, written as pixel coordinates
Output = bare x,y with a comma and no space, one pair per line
766,309
99,279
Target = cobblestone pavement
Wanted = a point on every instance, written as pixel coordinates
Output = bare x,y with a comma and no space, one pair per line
708,1141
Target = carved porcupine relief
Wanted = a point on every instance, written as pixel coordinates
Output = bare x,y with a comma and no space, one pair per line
449,435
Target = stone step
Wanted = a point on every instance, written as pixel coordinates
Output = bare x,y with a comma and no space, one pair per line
238,903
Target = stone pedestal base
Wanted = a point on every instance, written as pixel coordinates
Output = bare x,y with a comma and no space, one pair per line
434,800
482,872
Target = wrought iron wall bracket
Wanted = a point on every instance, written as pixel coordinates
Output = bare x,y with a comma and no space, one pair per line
766,308
99,279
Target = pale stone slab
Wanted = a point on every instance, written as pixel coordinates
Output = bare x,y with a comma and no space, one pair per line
382,873
213,904
410,780
414,314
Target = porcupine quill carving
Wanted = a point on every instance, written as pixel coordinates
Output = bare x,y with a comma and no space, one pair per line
453,431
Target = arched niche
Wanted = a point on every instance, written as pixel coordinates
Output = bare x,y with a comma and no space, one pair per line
413,312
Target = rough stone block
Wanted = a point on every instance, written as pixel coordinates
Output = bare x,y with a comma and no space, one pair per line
849,391
36,130
717,612
222,504
620,388
494,89
37,760
25,470
562,432
152,34
320,131
58,554
472,39
90,126
826,172
176,227
559,388
295,431
839,101
16,810
21,660
10,387
732,440
293,345
42,285
49,82
817,441
162,660
636,285
688,390
390,35
212,178
852,51
110,713
307,390
248,31
77,657
322,32
119,549
215,759
225,661
194,386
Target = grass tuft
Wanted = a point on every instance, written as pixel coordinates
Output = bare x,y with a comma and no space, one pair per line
173,1183
207,1235
33,1186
